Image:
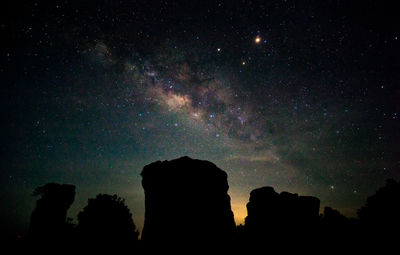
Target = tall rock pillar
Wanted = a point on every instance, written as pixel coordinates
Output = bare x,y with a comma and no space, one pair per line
186,202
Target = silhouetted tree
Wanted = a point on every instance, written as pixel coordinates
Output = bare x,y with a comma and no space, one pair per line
106,222
333,218
380,218
383,208
336,230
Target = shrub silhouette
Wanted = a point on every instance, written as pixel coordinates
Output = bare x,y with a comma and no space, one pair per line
106,221
336,230
333,218
383,208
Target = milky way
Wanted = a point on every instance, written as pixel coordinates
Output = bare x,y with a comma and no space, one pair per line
299,96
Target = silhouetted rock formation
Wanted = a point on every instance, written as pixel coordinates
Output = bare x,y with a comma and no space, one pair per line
276,218
188,210
106,222
48,220
186,202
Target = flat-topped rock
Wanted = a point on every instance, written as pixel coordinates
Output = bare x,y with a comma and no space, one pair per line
186,200
275,215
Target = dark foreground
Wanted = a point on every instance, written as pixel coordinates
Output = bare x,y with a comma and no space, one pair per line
188,211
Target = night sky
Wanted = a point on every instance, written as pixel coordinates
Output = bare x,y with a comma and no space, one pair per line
299,95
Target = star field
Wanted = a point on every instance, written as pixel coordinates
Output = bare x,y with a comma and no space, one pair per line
299,96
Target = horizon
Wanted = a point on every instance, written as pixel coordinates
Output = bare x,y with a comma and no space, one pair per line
138,218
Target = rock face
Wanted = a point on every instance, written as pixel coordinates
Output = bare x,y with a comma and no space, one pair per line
48,220
285,215
186,201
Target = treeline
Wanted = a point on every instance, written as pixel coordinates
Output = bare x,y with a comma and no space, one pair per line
275,222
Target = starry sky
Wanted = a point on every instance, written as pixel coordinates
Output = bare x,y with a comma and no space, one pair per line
302,96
